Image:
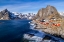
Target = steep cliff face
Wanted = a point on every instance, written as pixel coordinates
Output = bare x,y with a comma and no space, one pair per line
47,13
6,15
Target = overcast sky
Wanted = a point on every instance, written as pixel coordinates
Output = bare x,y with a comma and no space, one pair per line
26,6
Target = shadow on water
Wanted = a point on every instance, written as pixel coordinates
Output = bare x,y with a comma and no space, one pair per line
13,30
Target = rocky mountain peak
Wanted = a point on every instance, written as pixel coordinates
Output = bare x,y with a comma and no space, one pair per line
47,13
48,6
5,10
4,15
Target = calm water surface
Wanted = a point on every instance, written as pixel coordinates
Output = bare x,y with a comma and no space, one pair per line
13,30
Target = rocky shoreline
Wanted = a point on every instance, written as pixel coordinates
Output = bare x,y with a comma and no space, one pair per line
37,34
56,31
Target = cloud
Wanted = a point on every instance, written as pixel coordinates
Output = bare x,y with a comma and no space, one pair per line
14,7
32,6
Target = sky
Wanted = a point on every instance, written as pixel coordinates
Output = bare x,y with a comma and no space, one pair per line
30,6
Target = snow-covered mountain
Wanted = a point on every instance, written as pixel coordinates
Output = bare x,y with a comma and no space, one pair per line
61,13
7,15
24,16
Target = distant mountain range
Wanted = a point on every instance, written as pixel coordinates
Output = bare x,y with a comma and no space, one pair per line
49,12
7,15
61,13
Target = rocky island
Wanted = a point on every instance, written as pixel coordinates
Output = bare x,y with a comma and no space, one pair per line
49,21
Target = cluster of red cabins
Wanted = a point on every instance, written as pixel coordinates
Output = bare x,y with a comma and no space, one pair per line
50,21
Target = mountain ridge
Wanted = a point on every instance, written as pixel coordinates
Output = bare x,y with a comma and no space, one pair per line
47,13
